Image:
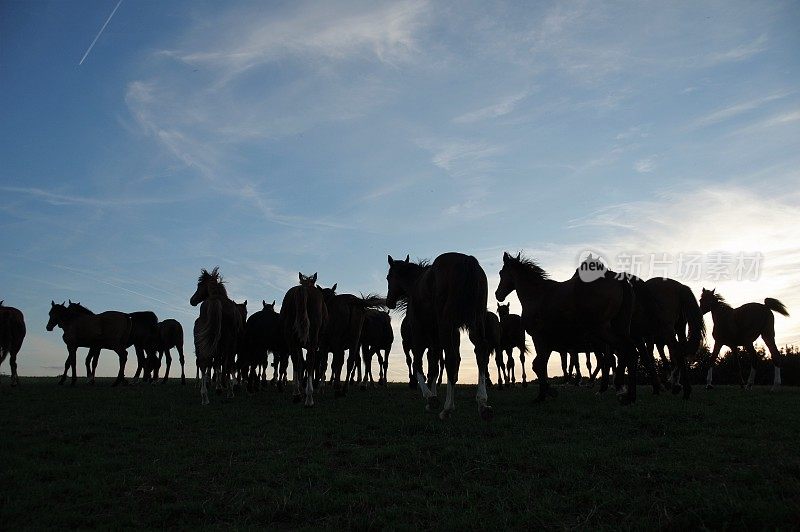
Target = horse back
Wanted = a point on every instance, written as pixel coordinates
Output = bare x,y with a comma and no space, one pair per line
108,330
12,328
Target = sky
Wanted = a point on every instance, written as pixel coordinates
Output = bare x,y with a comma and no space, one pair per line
275,137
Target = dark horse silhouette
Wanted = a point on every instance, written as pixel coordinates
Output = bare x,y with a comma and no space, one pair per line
573,311
303,315
107,330
12,333
742,326
216,331
406,335
680,309
441,298
170,334
263,334
513,336
494,337
376,336
342,331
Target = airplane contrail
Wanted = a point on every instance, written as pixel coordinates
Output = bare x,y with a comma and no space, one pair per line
99,33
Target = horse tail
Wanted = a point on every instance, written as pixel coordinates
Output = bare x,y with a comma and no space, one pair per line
207,332
471,306
691,312
370,302
302,324
776,306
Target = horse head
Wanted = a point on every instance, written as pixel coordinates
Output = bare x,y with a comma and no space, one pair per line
306,280
268,306
397,280
503,310
707,299
506,285
57,314
208,285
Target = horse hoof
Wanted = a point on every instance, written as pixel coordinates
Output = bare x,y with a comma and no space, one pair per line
433,402
444,414
486,412
709,386
183,381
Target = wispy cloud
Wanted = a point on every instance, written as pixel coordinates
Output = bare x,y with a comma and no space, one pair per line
57,198
501,108
731,111
645,166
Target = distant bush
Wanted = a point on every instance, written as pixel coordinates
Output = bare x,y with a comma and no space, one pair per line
730,371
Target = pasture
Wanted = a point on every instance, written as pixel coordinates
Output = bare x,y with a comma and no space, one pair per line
152,456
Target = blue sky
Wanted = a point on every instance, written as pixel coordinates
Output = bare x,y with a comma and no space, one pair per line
268,138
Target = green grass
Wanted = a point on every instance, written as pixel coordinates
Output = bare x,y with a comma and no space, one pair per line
151,456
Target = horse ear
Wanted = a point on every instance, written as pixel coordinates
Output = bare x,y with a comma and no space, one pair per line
52,303
273,302
314,277
334,286
245,303
64,304
70,301
300,276
714,290
408,259
519,255
506,256
263,303
391,260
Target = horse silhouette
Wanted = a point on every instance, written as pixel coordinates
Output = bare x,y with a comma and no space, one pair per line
346,314
494,338
12,333
304,315
513,336
441,298
170,335
107,330
263,334
557,313
216,331
741,326
376,336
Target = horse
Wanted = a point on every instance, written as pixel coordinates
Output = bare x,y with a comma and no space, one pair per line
742,326
144,338
494,337
262,334
303,316
12,333
216,331
170,334
107,330
346,314
441,298
678,303
406,335
513,336
570,312
376,336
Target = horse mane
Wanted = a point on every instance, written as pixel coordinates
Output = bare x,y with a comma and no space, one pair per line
531,266
721,300
79,308
215,277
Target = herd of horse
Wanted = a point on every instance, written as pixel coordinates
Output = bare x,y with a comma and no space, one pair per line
619,318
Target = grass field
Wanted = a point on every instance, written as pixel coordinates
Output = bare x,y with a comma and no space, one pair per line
151,456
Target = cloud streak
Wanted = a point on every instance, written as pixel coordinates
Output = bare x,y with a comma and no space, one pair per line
99,33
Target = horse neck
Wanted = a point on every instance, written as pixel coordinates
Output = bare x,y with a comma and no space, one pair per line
721,313
529,287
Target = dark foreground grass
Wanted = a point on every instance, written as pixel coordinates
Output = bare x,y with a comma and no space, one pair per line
151,456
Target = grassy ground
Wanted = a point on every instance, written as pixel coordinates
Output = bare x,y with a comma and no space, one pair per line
145,456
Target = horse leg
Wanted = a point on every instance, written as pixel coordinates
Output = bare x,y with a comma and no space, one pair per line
482,358
714,354
297,355
564,369
168,356
13,363
67,364
366,358
751,350
123,358
511,369
522,352
418,351
775,355
88,363
452,359
540,368
311,365
498,360
649,364
139,361
631,355
434,358
205,377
